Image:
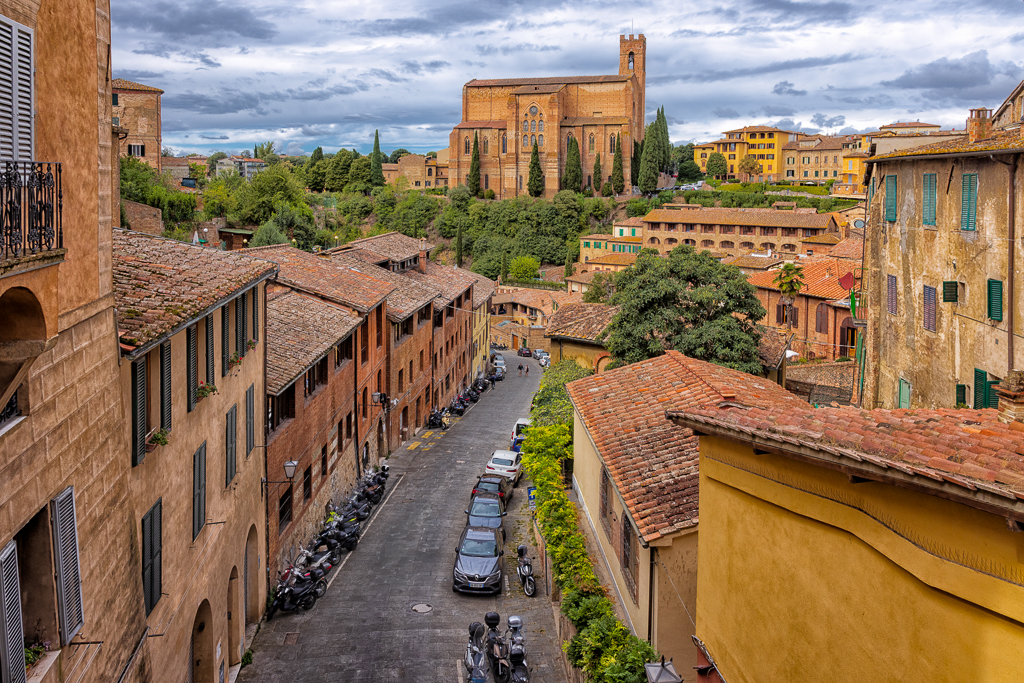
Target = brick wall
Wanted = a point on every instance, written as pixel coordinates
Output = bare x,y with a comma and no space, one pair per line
413,394
139,112
143,218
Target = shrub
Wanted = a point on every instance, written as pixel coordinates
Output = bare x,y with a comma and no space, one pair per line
489,194
607,190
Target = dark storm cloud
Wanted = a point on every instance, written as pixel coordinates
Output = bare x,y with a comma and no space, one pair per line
190,19
213,137
776,110
725,113
786,88
417,68
950,74
488,50
711,76
823,121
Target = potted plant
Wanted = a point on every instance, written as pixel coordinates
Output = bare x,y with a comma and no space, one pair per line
234,360
251,344
34,652
158,438
204,390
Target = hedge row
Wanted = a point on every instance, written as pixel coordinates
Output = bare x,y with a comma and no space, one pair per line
603,648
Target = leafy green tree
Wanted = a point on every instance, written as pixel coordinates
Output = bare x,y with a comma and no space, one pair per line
211,161
316,176
749,165
376,172
665,143
524,268
473,182
597,173
504,266
337,173
607,190
256,199
688,302
689,170
682,154
359,176
572,179
618,182
197,171
268,234
717,165
535,183
789,280
648,180
597,293
398,154
317,155
219,198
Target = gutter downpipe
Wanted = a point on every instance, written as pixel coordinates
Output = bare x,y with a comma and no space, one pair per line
1011,264
650,594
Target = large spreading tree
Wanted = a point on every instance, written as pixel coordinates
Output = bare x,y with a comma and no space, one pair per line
688,302
535,183
749,165
717,165
473,182
573,177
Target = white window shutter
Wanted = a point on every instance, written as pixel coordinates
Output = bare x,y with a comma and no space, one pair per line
12,637
8,100
25,66
69,578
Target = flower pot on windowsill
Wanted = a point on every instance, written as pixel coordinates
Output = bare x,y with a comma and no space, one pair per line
150,446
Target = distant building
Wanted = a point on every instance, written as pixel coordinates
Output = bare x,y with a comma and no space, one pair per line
137,108
814,158
244,166
576,330
419,171
910,127
765,143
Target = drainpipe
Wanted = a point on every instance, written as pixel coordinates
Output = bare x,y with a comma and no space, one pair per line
1011,264
650,595
356,357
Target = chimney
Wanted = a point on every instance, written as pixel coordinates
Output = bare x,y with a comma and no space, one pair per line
1011,397
422,266
979,124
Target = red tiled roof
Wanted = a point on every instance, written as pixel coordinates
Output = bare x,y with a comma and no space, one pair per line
449,281
631,222
320,274
851,248
546,300
161,284
484,83
961,145
405,299
614,259
581,321
653,462
757,129
910,124
753,261
820,278
483,124
364,255
300,330
483,289
772,346
970,449
719,216
824,238
122,84
393,245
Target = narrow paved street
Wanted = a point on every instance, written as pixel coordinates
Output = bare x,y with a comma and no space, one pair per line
364,628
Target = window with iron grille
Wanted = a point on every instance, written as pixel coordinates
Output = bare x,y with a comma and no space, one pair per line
628,558
891,293
280,408
284,509
307,483
929,308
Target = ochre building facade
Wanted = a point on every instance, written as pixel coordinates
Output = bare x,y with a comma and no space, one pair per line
508,115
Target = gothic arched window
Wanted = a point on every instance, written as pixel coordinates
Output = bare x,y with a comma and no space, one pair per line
612,140
465,146
533,140
590,145
540,126
486,145
540,140
504,144
526,126
533,126
526,141
630,61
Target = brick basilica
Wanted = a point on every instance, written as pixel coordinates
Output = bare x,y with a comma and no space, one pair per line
509,114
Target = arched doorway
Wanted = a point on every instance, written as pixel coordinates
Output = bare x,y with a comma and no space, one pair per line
201,646
250,577
236,624
25,325
847,338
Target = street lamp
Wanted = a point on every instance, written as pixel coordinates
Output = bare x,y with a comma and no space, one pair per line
289,472
663,672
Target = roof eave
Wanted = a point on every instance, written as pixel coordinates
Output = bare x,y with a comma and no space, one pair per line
945,155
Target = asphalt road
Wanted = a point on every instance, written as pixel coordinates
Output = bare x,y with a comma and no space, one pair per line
365,628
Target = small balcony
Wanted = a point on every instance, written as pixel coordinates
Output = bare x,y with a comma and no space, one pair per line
31,207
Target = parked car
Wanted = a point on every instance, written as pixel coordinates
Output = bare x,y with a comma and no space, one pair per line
523,351
499,373
478,561
487,510
499,362
545,361
507,464
499,357
494,483
518,432
537,353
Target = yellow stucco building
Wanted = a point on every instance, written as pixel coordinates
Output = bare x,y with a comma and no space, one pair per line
483,292
763,142
838,544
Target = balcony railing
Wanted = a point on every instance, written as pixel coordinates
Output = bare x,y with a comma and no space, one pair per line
31,204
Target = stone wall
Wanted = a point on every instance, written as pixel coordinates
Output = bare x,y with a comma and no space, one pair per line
143,218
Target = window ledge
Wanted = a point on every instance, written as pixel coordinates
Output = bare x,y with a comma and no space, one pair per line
12,424
46,670
29,262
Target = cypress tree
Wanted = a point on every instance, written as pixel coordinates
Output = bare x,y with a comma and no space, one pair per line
535,184
474,169
648,179
376,172
666,143
618,182
598,182
634,164
317,155
573,178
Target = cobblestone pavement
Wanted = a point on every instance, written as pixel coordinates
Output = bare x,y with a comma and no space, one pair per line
364,628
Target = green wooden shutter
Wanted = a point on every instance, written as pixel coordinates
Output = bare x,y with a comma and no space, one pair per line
904,396
256,313
969,201
928,205
240,318
890,198
152,556
191,361
198,491
995,299
210,362
991,397
165,385
68,572
980,384
961,394
12,635
929,308
230,443
950,291
225,339
250,419
140,424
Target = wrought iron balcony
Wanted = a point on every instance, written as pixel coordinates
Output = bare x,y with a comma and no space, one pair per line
31,204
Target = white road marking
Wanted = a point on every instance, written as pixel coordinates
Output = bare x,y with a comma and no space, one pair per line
337,571
458,671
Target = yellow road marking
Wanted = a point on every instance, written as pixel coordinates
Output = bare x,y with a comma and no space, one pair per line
413,445
427,434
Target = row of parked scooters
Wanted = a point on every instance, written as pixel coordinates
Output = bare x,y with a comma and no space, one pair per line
488,651
460,403
304,581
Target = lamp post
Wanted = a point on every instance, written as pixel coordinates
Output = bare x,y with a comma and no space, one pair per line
289,472
663,672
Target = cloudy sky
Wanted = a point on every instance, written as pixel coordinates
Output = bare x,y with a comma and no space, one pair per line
305,73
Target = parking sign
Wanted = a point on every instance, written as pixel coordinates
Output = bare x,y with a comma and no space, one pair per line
531,492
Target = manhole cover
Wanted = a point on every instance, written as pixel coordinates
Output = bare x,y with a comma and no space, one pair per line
291,638
421,608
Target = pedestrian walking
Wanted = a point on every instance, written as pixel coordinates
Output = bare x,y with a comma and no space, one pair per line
492,381
527,370
520,369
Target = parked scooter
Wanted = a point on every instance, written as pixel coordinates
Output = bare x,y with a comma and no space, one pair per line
316,565
497,649
476,663
446,420
296,590
525,571
517,650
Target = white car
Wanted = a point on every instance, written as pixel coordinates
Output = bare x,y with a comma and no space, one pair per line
507,464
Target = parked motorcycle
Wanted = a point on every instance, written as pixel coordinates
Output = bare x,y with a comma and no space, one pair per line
316,565
446,420
477,666
296,590
481,385
525,571
497,649
457,407
517,650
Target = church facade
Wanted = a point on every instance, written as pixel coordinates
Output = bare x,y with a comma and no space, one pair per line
509,114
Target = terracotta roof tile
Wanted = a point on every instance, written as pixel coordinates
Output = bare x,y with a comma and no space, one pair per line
320,274
364,255
122,84
962,145
484,83
547,300
483,289
405,299
850,248
753,261
393,245
449,281
652,461
773,345
718,216
300,330
160,284
585,277
909,124
614,260
631,222
757,129
581,321
824,238
969,448
820,278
